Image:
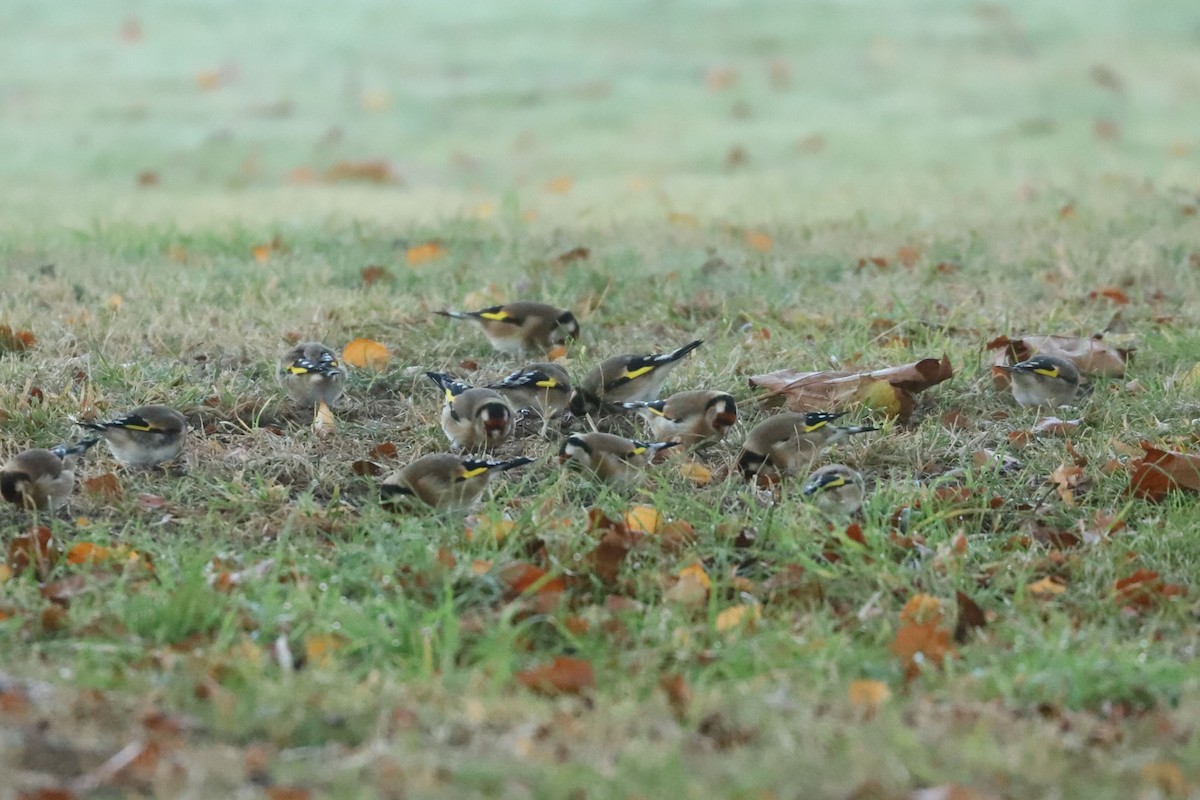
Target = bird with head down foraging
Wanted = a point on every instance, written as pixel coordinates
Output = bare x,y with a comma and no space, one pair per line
442,481
41,479
692,418
523,326
787,443
625,379
610,458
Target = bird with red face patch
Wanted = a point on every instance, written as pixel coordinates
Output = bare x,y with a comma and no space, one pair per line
522,327
473,418
693,419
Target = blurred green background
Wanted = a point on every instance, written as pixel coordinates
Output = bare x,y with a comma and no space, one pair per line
589,111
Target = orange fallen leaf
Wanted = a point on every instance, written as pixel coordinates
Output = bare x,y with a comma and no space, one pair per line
557,352
491,530
757,240
1112,293
319,648
696,473
366,354
361,172
560,184
1157,472
423,253
14,341
691,587
104,485
1046,587
35,547
867,696
737,616
643,519
374,273
522,577
324,423
563,675
908,255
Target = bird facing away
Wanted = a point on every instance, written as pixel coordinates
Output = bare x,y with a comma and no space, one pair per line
835,489
612,459
522,327
625,379
542,388
1044,381
145,437
42,479
443,482
473,418
784,444
312,374
691,418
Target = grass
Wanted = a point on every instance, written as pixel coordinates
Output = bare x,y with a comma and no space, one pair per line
358,661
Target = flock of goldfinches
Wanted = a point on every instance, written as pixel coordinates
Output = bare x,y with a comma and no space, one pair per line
476,419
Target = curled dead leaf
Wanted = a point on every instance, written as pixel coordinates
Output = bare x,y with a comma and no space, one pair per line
563,675
1091,356
1157,472
366,353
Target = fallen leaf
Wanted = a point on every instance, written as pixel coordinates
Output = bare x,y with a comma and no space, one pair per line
1167,777
324,423
320,647
366,353
921,639
1144,589
736,617
1046,587
908,255
643,519
423,253
561,184
1067,478
757,240
563,675
15,341
1157,472
374,273
970,618
824,391
573,255
1112,293
867,696
696,473
35,547
491,530
690,588
719,79
679,694
104,485
282,791
263,252
523,577
383,450
361,172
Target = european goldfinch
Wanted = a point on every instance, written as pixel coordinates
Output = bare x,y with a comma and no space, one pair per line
1044,381
312,374
690,418
625,379
522,326
542,388
145,437
442,481
835,489
612,459
42,479
473,418
786,443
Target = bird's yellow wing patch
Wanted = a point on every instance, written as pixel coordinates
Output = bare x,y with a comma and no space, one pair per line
497,316
630,374
1052,372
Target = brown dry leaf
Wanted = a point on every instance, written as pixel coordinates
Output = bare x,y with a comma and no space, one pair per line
361,171
1067,479
1159,471
263,252
423,253
522,577
383,450
35,548
1091,356
491,530
364,468
14,341
366,354
563,675
605,561
320,647
908,255
867,696
757,240
1112,293
104,485
679,694
1143,590
921,639
824,391
970,618
374,273
91,553
280,791
573,255
1167,777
